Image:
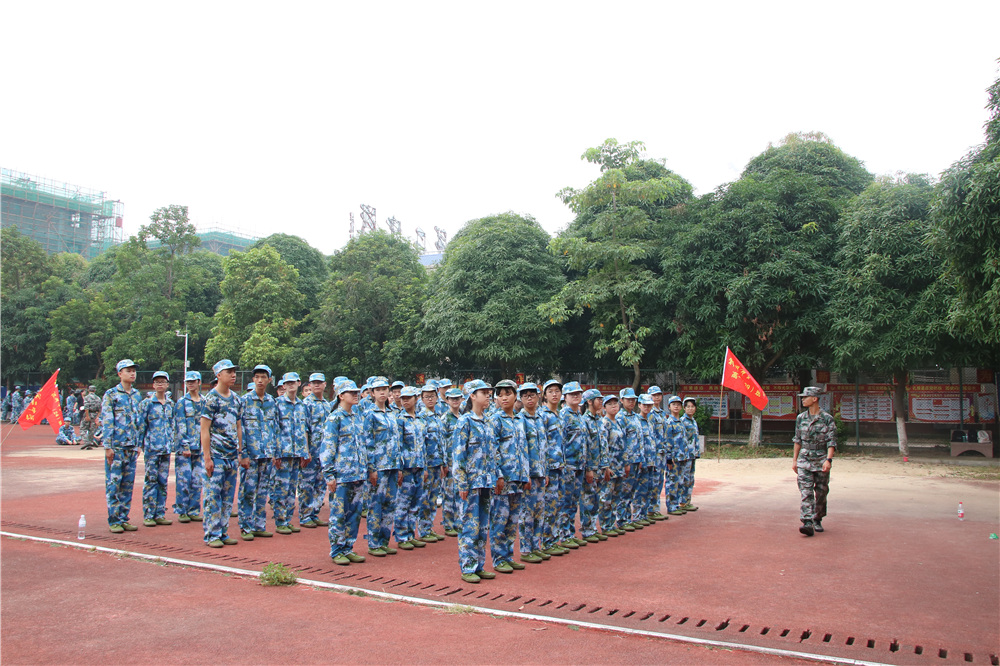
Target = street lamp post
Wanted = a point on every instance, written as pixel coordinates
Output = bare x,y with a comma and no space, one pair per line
185,336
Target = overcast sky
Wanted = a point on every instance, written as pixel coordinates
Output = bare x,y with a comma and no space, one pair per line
284,117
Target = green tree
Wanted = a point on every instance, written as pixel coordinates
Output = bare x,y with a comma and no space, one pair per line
371,307
258,286
482,306
307,260
81,329
889,305
610,250
754,266
967,233
23,262
175,236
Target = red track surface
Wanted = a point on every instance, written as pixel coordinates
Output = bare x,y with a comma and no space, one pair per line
739,566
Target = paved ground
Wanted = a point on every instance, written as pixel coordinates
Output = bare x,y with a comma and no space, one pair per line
896,578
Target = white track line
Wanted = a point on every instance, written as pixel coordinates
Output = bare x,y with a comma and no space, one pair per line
443,604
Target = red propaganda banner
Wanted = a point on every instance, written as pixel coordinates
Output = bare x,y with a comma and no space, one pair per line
738,378
45,405
782,402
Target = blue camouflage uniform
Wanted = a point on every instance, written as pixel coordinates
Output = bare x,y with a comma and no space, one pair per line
692,452
260,434
633,445
380,433
451,502
224,415
71,411
658,424
119,427
312,489
589,495
16,404
649,477
66,436
475,468
412,452
532,525
613,438
433,485
674,447
189,469
555,465
574,457
291,447
505,507
344,459
158,436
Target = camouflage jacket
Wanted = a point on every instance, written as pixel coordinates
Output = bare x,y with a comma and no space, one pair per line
260,426
120,418
474,450
344,456
158,426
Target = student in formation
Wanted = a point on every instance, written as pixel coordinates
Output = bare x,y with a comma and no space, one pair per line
412,459
658,422
15,405
222,448
312,488
450,506
596,467
474,466
260,434
549,413
292,453
505,506
434,473
189,469
158,437
345,466
532,526
644,502
380,433
120,425
613,519
675,448
574,460
631,429
692,451
443,386
395,393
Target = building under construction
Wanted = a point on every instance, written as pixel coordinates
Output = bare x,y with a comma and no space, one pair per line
60,216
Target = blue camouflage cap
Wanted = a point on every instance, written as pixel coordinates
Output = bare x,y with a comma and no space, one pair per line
265,368
654,390
410,392
551,382
161,373
281,382
527,386
249,386
224,364
317,377
478,384
608,398
124,363
645,399
290,377
689,398
192,376
345,386
429,387
572,387
453,393
590,394
444,383
378,382
398,384
627,392
370,380
673,398
339,378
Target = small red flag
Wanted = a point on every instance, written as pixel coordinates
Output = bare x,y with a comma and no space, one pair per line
738,378
45,405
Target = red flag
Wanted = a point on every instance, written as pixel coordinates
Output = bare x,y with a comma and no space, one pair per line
45,405
738,378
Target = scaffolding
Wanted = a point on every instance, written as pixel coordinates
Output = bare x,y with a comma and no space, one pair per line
60,216
223,241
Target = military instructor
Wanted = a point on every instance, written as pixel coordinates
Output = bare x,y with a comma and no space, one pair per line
815,443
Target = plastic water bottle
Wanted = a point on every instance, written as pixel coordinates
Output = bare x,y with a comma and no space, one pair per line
961,511
81,527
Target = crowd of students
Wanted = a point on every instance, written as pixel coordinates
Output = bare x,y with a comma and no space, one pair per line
510,465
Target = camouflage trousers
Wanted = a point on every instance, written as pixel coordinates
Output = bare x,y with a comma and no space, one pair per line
87,431
569,503
626,495
119,481
532,524
647,484
312,490
429,493
220,489
189,472
449,507
407,504
610,511
254,488
505,510
286,481
154,485
380,509
814,488
671,487
550,521
475,530
590,506
345,516
685,480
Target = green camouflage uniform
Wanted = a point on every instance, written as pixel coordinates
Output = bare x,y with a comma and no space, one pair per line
815,434
88,426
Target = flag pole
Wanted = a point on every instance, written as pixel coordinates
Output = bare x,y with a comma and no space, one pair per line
718,443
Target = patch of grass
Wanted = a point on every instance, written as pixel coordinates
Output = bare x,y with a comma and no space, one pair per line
276,573
743,451
357,593
459,609
991,473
